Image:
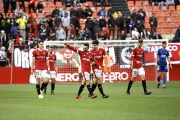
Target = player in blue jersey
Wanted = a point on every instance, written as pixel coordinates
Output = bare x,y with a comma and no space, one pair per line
162,54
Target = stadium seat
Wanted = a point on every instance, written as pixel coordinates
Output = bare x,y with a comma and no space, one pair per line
106,8
138,3
164,25
146,20
172,25
98,9
93,9
149,14
155,8
139,7
67,8
171,8
178,7
161,19
90,3
147,25
51,4
174,13
158,13
34,15
148,9
132,9
46,9
167,31
44,4
169,19
159,31
146,3
173,31
166,14
178,24
40,15
130,3
59,4
163,8
176,19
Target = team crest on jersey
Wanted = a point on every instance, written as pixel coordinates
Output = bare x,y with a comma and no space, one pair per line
89,57
44,53
100,52
53,57
38,53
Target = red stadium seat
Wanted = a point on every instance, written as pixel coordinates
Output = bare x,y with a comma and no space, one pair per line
148,9
161,19
164,25
159,31
145,3
174,13
130,3
90,3
146,20
169,19
166,14
138,3
155,8
172,25
178,24
167,31
178,7
40,15
176,19
59,4
173,30
163,8
158,13
132,9
46,9
147,25
149,14
93,9
171,8
106,8
51,4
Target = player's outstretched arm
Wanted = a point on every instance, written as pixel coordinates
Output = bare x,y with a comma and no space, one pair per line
169,62
157,58
32,65
70,47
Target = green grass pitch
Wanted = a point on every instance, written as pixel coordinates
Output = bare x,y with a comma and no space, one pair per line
21,102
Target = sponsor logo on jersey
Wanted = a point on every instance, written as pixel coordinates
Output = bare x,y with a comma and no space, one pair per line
41,57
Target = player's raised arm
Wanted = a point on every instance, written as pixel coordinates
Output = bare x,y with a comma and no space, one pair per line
71,47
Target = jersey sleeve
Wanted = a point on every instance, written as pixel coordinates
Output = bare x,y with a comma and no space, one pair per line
167,55
104,53
47,55
72,48
132,55
92,58
158,52
34,54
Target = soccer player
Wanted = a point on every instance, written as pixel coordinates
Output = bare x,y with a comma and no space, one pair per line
161,56
53,70
137,67
85,57
41,60
106,69
98,54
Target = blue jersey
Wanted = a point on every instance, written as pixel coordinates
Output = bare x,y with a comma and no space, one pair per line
162,56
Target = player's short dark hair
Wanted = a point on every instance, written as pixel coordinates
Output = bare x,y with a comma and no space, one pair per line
86,44
52,47
95,42
40,41
140,41
107,51
164,42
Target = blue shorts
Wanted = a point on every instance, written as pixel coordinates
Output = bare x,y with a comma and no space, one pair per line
162,68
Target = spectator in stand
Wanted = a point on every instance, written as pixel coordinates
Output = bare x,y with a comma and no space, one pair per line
57,21
102,36
143,15
87,34
89,24
68,3
80,38
98,2
135,16
44,36
128,37
175,40
102,12
80,12
122,35
107,2
17,11
39,8
155,3
120,24
72,10
50,21
135,33
65,22
1,18
111,25
177,34
177,2
3,59
76,3
28,37
105,32
145,33
127,23
6,6
20,44
139,26
7,26
102,22
162,3
14,30
155,36
71,32
110,11
153,22
76,23
52,36
42,29
55,12
116,14
31,6
63,11
22,26
95,31
13,5
88,12
21,4
3,39
43,19
169,3
9,49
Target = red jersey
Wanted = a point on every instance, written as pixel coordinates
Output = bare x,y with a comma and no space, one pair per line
137,56
85,59
52,60
40,59
98,55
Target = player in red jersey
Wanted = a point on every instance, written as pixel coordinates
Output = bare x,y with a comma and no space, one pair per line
53,70
86,58
137,67
41,60
98,54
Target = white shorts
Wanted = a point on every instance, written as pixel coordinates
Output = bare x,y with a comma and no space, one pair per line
97,72
52,74
41,73
139,71
86,75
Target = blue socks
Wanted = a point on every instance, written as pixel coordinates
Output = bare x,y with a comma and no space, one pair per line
159,79
164,81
